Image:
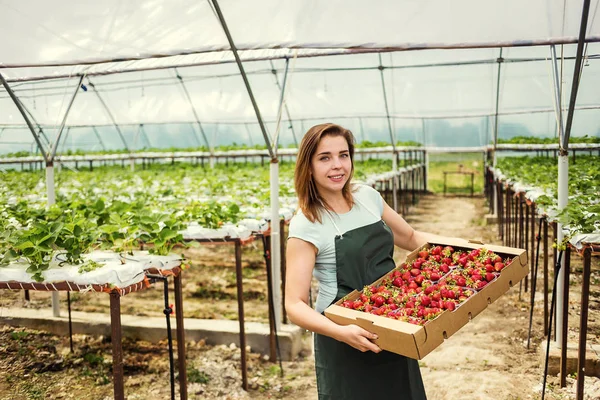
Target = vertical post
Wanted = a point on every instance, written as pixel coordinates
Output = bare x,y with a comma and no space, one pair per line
563,328
563,191
240,296
499,60
545,274
282,103
389,122
275,243
585,301
272,339
283,267
181,361
117,350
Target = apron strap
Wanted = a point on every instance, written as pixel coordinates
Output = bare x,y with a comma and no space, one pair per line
333,222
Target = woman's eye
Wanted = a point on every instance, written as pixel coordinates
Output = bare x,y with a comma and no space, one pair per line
324,158
345,155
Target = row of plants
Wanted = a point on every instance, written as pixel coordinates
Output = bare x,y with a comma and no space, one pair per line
115,209
230,147
548,140
539,174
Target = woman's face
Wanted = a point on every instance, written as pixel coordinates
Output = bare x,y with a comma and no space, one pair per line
331,164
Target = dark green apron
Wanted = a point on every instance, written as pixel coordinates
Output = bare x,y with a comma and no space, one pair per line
364,255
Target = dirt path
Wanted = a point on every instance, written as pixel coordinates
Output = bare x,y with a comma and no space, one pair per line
485,360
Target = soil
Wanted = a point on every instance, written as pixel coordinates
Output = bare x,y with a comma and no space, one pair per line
487,359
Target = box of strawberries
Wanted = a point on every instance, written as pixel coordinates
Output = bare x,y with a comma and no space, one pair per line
437,290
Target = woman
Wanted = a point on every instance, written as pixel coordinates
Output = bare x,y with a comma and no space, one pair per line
344,235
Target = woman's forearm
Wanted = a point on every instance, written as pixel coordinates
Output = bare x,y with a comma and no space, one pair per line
302,315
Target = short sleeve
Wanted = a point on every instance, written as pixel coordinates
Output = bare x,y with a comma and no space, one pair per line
372,197
302,228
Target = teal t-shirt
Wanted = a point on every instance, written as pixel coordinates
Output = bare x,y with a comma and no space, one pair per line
367,209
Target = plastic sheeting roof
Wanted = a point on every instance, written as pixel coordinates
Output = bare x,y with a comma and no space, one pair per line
61,37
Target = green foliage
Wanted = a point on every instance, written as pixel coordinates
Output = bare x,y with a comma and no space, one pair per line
194,375
582,213
115,209
547,140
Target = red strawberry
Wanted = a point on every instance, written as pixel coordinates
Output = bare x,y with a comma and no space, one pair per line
364,298
499,266
449,305
368,308
423,254
357,305
413,285
489,268
461,281
481,284
415,272
379,300
436,250
398,282
434,276
425,300
489,276
348,304
436,296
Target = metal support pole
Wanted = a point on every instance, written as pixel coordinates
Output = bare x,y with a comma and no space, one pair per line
64,121
499,61
189,99
117,350
240,296
563,328
585,301
281,100
389,123
181,361
244,77
275,243
143,132
545,274
110,115
99,138
576,74
17,102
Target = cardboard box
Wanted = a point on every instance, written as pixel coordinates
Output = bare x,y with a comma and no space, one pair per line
417,341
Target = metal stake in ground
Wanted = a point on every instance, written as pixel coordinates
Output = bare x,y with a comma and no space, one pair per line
534,279
556,271
167,311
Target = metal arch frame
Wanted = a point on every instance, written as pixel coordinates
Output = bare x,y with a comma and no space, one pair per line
576,76
64,121
392,134
189,99
110,115
145,135
238,61
24,114
99,138
281,100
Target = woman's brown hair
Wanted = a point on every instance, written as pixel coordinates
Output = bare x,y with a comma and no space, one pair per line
309,200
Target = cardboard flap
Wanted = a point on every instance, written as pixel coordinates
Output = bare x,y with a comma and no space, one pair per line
476,241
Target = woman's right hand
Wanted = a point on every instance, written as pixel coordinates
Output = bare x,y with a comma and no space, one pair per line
358,338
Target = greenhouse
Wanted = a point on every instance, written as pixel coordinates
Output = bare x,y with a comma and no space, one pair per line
147,159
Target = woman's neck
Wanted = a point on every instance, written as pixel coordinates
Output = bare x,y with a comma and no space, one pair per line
336,203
